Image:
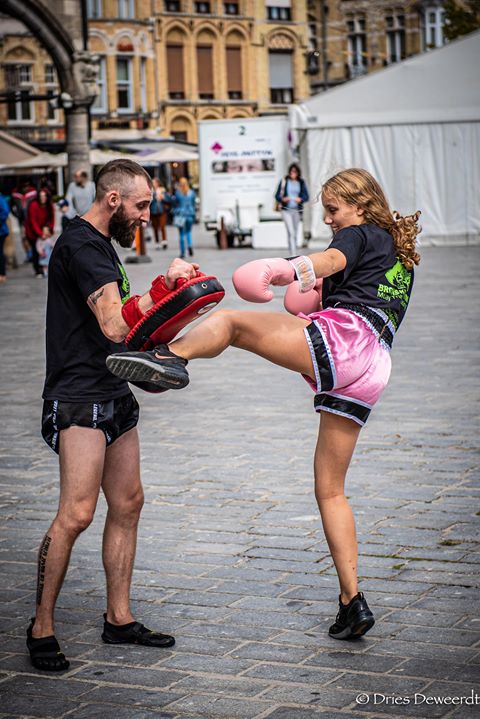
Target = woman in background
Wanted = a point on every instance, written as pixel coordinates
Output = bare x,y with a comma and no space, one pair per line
291,195
159,212
184,214
40,215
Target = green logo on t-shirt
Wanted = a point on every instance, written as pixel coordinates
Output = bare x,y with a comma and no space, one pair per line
399,280
125,286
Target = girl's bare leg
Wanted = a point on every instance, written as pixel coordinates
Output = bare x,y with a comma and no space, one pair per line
337,438
276,336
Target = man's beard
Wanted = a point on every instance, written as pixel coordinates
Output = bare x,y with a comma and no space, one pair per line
120,229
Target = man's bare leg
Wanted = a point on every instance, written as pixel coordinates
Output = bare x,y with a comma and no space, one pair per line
82,453
124,494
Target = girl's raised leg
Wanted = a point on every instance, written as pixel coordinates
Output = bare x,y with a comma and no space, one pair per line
276,336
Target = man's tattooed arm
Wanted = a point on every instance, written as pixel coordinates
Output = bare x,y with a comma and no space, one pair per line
106,304
95,296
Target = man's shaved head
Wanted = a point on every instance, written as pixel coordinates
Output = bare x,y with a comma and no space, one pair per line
119,175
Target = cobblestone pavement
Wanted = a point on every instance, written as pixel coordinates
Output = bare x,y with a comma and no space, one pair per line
232,558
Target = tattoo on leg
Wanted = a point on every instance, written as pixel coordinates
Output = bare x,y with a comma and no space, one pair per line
95,296
42,560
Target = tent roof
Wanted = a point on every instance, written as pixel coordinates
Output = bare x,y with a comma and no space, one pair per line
171,153
47,160
12,149
442,85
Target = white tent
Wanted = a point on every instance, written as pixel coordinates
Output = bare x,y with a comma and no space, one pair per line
416,127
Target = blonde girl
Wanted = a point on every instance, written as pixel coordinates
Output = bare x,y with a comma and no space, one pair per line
349,302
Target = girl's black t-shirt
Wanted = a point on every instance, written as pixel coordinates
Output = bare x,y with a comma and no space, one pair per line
82,261
373,276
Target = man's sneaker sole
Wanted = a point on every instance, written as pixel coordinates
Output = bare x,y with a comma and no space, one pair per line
362,625
135,369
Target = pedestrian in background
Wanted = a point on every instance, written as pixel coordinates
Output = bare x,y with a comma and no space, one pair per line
63,207
19,202
184,214
159,212
291,195
4,232
44,247
80,194
40,215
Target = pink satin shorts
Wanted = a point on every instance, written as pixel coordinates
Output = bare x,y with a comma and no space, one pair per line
352,364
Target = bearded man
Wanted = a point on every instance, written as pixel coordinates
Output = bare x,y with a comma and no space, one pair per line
89,415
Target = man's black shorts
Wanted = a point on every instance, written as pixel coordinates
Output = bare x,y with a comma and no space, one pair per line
114,417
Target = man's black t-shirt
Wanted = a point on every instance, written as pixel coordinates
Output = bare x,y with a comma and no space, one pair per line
373,275
82,261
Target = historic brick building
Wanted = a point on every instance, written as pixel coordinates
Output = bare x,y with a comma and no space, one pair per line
165,64
187,61
348,38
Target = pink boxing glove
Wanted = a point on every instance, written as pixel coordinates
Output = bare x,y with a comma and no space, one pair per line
297,302
252,280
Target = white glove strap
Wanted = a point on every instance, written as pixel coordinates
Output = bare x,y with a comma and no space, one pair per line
304,271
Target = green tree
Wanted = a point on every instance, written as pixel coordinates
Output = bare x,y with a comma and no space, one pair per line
461,18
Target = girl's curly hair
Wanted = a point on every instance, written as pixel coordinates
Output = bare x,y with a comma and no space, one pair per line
357,187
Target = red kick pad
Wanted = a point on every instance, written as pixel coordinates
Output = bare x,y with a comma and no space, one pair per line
190,299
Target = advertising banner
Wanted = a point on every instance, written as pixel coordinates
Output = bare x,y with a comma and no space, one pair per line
241,164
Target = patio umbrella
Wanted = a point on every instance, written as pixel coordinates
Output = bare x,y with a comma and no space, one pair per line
169,153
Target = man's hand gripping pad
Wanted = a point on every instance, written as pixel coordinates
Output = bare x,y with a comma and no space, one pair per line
174,309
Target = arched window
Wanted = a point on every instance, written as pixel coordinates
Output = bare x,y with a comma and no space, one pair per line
234,51
280,65
205,48
175,65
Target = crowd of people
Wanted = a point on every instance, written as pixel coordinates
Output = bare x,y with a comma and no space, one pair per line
35,212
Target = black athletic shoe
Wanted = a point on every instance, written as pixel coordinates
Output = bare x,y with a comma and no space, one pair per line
159,367
353,619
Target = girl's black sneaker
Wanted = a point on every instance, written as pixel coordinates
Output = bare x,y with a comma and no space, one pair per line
160,368
353,619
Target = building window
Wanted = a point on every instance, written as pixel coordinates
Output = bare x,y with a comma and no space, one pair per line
24,73
176,86
50,74
434,21
124,84
357,47
94,9
51,90
231,8
100,104
279,10
234,73
202,8
143,84
51,110
179,135
205,72
17,79
281,77
126,9
395,38
20,109
172,6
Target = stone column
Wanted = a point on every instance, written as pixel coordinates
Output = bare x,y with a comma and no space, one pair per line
78,148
